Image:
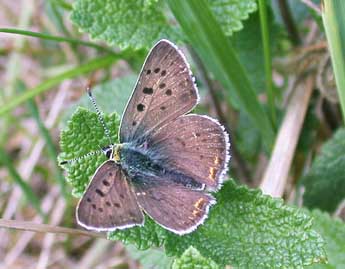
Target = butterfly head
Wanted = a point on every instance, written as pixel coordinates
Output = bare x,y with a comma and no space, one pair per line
113,152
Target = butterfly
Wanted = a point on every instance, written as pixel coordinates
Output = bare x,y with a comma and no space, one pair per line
167,162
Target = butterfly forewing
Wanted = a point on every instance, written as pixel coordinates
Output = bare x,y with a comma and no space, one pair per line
164,91
195,145
109,202
173,206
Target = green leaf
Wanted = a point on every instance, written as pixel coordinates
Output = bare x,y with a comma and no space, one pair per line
134,23
333,231
84,133
247,229
150,259
230,13
111,96
191,259
325,182
149,235
334,23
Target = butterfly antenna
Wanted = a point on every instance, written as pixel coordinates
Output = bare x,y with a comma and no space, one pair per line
99,114
91,153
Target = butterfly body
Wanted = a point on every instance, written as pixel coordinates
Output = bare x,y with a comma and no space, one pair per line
167,162
141,163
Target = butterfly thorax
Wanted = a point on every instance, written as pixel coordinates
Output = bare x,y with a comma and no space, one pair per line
141,164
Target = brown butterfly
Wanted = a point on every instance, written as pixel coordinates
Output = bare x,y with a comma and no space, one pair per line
167,162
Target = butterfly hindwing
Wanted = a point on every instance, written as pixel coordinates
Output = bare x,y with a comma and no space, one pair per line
109,203
194,145
173,206
165,90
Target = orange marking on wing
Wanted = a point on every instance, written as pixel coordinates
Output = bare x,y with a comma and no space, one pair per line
212,174
198,207
216,160
200,203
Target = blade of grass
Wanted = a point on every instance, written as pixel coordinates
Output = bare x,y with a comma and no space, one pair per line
63,4
334,21
25,187
48,84
214,48
267,58
46,228
52,152
55,38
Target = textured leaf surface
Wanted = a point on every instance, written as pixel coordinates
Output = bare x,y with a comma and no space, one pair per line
84,133
333,231
325,182
248,46
247,229
124,23
139,23
151,258
230,13
191,259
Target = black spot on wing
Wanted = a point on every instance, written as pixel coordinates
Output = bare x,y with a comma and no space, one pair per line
100,193
140,107
148,90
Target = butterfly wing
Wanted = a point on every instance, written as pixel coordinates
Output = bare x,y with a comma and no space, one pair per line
109,203
195,145
173,206
165,90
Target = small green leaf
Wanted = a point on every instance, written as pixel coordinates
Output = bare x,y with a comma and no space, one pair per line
111,96
150,259
325,182
134,23
333,231
84,133
230,13
192,258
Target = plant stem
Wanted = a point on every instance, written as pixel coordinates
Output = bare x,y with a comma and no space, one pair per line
45,228
289,22
277,171
268,63
56,38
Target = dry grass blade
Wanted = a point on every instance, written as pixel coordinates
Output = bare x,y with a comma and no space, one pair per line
45,228
277,172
